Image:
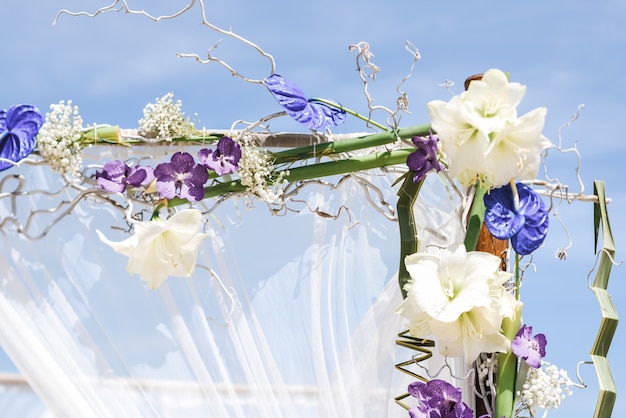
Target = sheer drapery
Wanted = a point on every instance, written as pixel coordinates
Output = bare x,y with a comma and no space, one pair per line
288,315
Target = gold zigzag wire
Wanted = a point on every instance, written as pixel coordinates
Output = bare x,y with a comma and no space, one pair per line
417,344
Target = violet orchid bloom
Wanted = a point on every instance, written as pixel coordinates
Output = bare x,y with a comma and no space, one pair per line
140,176
528,347
525,222
424,158
181,177
225,158
308,112
116,175
438,399
19,126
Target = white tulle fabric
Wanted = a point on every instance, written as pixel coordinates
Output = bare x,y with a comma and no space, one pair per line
285,316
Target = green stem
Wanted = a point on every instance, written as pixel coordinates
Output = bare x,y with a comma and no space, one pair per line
517,278
329,168
475,221
350,112
101,134
200,138
350,144
507,362
110,134
409,241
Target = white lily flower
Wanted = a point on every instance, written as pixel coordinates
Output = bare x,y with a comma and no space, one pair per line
162,248
515,150
482,136
458,298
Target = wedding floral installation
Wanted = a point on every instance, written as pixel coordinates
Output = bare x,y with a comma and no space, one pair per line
460,293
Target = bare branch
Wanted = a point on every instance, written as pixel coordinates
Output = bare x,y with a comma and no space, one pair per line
122,5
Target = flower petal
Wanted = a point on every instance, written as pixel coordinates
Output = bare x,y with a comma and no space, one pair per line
482,136
19,126
500,217
112,176
537,221
185,222
160,249
166,188
125,247
137,176
459,298
314,115
424,159
527,226
515,150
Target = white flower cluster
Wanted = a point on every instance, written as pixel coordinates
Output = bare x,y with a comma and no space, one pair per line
164,120
59,138
256,172
459,298
545,387
483,137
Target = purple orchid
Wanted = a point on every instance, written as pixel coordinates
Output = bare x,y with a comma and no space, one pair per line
308,112
181,177
524,220
225,158
528,347
438,399
424,159
116,175
19,126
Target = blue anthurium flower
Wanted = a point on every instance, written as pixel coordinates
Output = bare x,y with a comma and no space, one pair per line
520,216
18,127
308,112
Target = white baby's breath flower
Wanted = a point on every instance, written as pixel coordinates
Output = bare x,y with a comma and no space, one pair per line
256,172
459,298
164,120
59,139
544,388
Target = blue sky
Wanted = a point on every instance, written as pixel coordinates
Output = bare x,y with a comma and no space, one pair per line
567,53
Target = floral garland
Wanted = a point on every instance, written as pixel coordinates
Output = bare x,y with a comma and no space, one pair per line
458,296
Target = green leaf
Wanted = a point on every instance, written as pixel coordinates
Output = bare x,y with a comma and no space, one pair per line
409,241
608,324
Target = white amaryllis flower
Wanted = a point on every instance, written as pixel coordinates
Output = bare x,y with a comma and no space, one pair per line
458,297
162,248
482,136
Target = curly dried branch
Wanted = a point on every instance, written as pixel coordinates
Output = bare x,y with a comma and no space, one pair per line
573,149
122,5
367,73
126,8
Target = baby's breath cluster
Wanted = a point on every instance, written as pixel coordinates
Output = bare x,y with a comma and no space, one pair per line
545,387
59,139
256,172
164,120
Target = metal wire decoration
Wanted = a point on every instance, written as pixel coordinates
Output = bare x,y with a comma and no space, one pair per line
422,346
